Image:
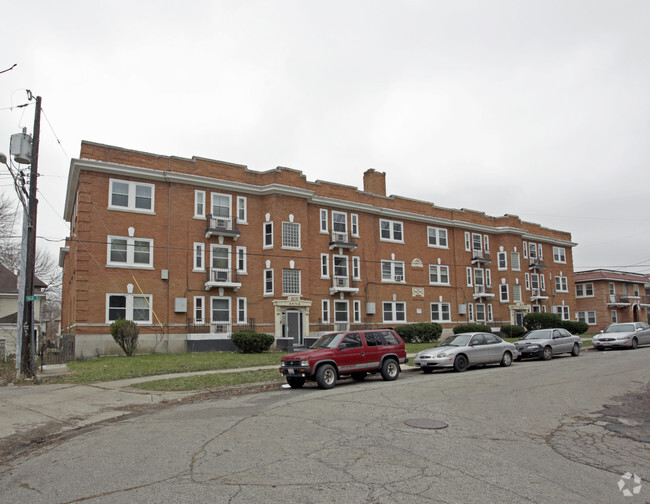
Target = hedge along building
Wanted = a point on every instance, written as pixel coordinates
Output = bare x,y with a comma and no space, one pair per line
194,249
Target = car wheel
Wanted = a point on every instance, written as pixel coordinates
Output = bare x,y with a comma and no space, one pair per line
506,360
635,343
460,363
295,382
326,376
390,370
427,370
359,376
547,353
576,350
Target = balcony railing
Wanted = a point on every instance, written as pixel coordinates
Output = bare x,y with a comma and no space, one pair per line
623,299
342,284
480,256
536,294
342,240
221,277
536,264
222,226
482,291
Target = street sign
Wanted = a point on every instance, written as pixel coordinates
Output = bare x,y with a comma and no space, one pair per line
32,298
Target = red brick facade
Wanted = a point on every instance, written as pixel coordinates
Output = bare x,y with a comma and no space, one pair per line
335,256
605,297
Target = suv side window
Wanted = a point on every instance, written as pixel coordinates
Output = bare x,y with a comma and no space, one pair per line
373,339
352,340
389,338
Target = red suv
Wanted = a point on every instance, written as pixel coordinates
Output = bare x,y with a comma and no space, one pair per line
352,353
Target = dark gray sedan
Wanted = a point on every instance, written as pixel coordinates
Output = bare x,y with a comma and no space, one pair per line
629,335
545,343
468,349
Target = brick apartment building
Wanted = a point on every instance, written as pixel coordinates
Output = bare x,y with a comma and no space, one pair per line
194,249
605,297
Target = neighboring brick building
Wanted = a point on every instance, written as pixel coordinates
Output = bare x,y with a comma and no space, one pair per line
193,249
605,296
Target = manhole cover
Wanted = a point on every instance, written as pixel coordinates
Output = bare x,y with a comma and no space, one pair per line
426,423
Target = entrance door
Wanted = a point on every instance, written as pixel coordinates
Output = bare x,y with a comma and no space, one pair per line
519,318
293,326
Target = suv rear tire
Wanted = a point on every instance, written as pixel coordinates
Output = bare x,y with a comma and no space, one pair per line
390,370
326,376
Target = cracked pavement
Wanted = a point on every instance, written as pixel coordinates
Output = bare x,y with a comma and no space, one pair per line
535,432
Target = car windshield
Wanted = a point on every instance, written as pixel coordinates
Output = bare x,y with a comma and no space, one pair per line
620,328
328,340
538,334
457,340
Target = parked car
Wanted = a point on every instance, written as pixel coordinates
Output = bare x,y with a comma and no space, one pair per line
464,350
623,335
340,354
545,343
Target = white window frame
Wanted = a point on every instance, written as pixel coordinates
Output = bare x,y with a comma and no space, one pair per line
542,282
242,210
130,253
477,239
468,276
504,293
325,311
540,251
325,266
324,226
199,199
267,231
211,308
268,276
335,221
242,260
488,277
195,254
468,241
517,293
392,224
481,310
443,310
213,196
129,307
563,311
527,281
582,290
525,249
354,225
131,197
435,237
502,261
490,313
287,281
486,243
356,311
356,268
561,283
288,230
559,255
393,312
586,316
438,269
394,277
199,300
242,305
470,312
614,314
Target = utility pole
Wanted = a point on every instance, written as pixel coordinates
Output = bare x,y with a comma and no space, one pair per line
29,342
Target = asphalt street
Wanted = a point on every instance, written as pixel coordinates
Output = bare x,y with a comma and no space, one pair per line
534,432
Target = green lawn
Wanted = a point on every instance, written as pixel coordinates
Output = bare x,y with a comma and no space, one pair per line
118,368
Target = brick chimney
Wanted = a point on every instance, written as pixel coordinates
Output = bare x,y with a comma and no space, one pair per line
374,182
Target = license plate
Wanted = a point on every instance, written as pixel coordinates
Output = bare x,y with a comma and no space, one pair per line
290,371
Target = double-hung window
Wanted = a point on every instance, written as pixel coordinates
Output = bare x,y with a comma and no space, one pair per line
241,260
514,261
585,290
589,317
221,204
394,311
267,235
561,284
268,282
437,237
324,265
131,196
199,204
502,261
392,271
504,295
199,310
133,307
438,274
242,212
340,226
390,230
199,257
559,255
130,252
291,235
440,312
356,268
325,311
242,309
477,244
354,225
323,221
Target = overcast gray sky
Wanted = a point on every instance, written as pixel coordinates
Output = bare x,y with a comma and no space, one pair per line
535,108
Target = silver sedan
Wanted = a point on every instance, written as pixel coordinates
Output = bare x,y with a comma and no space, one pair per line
628,335
468,349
